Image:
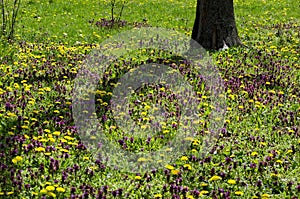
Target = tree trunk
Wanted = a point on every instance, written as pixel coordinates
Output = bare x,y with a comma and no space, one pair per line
215,24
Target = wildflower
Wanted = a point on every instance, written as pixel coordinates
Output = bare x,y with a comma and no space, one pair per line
239,193
265,196
170,167
184,158
47,131
215,178
166,131
279,161
60,189
187,166
254,153
40,149
50,188
204,192
63,140
289,151
17,159
231,182
69,138
47,89
263,143
194,150
34,193
175,172
138,177
203,184
64,150
157,195
43,191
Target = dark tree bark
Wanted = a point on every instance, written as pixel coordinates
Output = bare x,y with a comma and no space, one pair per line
215,24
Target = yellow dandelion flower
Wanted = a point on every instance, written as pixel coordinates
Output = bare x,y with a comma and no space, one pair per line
265,196
166,131
17,159
43,191
40,149
68,138
170,167
215,178
204,192
184,158
63,140
64,150
279,161
50,188
47,89
175,172
47,131
86,158
43,140
138,177
60,189
239,193
187,166
289,151
231,182
57,133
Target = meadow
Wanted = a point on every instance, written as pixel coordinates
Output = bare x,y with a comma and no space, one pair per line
257,153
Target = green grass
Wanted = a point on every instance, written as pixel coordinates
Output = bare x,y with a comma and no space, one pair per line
258,149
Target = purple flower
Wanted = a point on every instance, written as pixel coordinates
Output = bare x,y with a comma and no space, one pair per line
73,189
298,187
